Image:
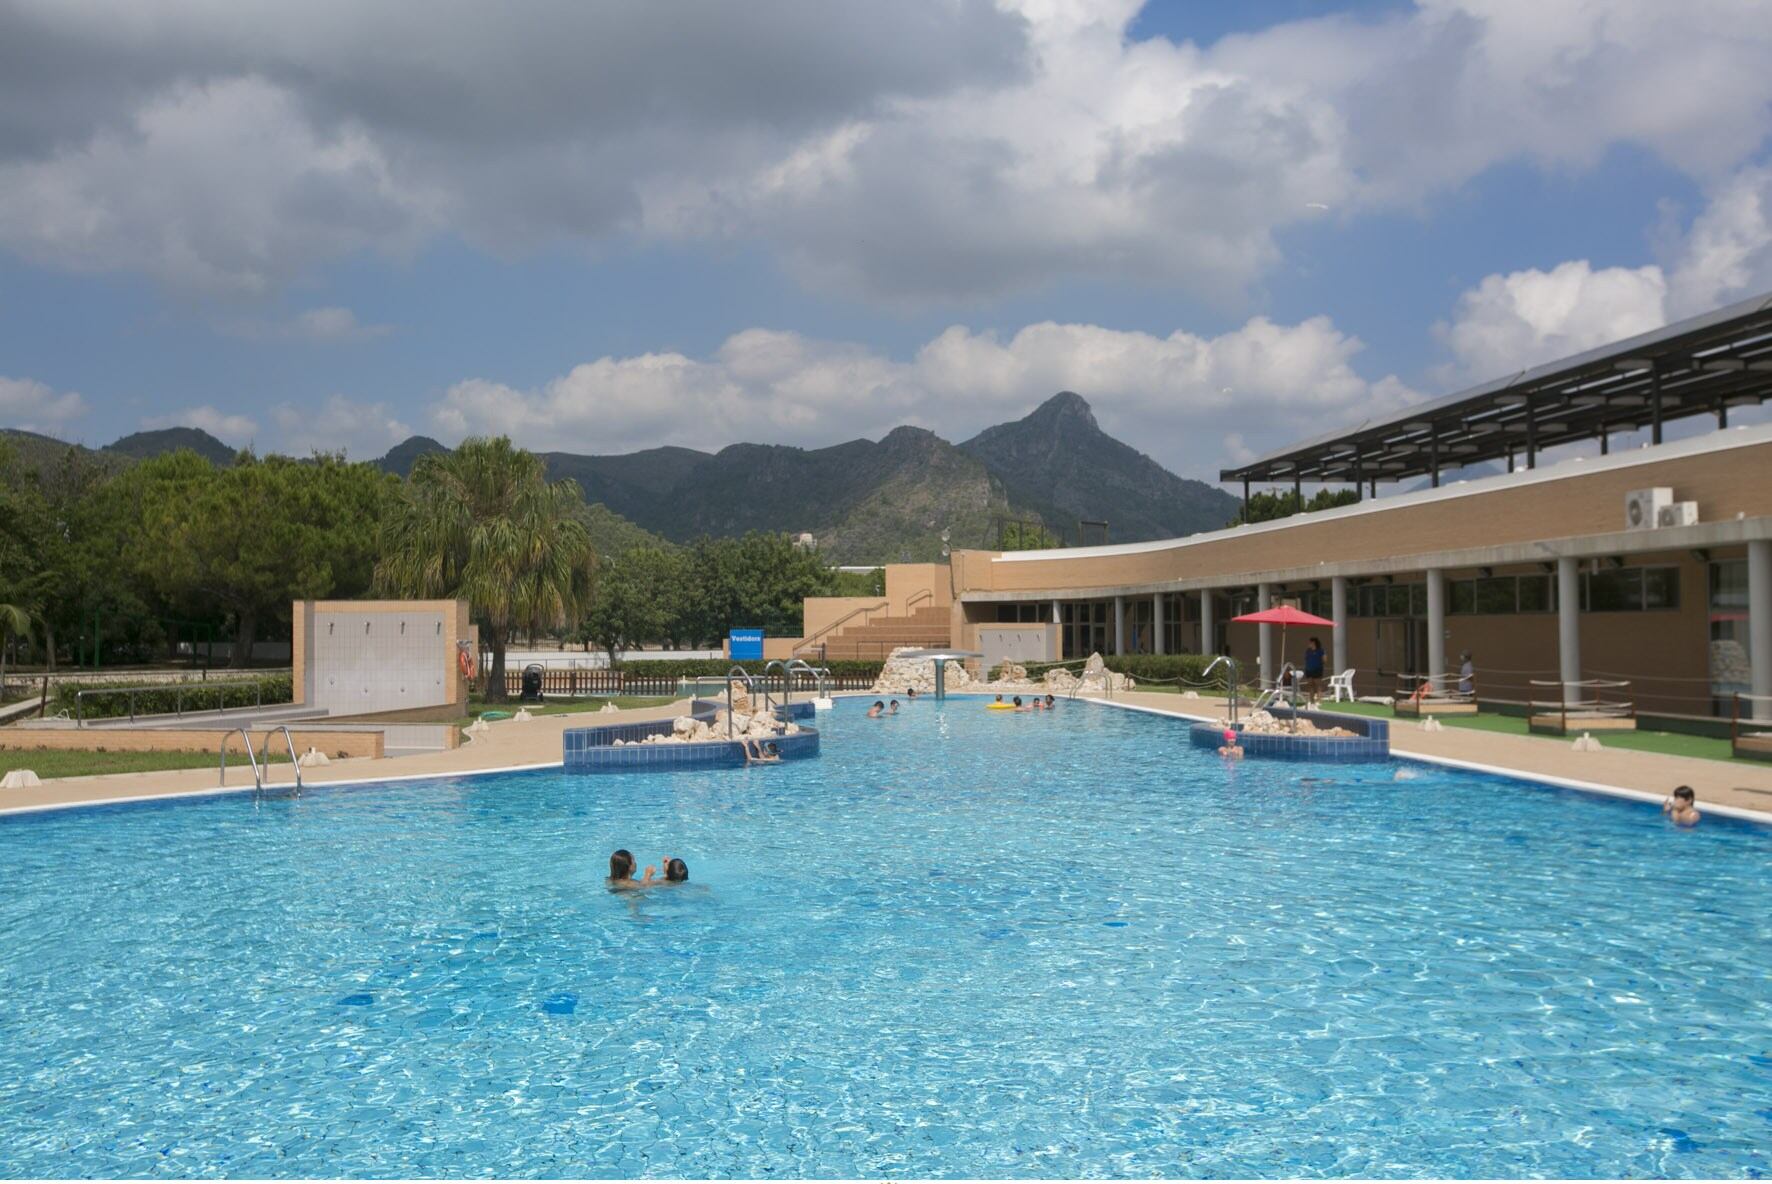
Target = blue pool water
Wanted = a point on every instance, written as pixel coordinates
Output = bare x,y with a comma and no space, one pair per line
960,943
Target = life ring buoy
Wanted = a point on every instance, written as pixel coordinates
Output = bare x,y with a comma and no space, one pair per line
464,659
999,707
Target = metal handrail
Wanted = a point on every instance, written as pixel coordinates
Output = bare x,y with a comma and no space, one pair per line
751,684
258,782
912,600
178,696
1236,680
294,760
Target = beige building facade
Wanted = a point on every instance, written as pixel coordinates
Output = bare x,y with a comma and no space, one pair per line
1538,574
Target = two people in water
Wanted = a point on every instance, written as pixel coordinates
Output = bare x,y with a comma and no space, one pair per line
880,708
621,872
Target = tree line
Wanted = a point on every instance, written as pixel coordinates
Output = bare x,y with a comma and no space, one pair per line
94,553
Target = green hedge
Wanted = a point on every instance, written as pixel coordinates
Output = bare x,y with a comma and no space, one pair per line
1151,668
716,667
212,695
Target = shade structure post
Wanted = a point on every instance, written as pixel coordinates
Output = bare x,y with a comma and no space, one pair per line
1157,638
1208,627
1264,599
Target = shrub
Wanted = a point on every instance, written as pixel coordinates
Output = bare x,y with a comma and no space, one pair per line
165,698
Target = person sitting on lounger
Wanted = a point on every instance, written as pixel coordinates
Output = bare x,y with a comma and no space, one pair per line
876,710
1681,807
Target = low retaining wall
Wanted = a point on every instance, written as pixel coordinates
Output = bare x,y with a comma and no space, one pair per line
1372,741
332,743
593,750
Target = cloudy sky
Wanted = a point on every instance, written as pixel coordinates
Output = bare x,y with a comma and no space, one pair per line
606,226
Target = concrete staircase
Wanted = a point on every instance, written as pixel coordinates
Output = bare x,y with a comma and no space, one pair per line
873,640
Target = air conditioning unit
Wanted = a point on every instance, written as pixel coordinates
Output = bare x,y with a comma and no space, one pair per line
1642,507
1677,514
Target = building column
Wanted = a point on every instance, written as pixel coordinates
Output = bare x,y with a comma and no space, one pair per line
1569,626
1157,637
1436,626
1759,624
1119,624
1208,627
1338,613
1264,599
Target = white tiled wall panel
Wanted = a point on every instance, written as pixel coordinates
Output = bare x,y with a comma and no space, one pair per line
365,662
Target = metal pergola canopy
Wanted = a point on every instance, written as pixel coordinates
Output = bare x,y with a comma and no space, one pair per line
1701,366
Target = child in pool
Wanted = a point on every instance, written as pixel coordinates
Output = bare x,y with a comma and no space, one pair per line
1681,807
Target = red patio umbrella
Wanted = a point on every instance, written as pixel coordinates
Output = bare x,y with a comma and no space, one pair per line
1283,616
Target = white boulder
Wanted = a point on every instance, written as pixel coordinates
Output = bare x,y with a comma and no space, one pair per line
19,779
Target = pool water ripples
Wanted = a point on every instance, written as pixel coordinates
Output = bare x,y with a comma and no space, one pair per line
960,943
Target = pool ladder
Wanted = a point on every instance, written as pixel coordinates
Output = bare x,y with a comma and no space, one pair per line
258,774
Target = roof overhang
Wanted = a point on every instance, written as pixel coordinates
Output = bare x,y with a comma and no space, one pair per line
1700,366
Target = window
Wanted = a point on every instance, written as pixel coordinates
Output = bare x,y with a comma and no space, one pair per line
1461,596
1535,594
1728,633
1661,588
1497,594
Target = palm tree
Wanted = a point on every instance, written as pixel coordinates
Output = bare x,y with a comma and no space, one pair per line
484,524
14,621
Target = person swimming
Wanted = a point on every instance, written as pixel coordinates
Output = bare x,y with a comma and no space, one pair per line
877,710
621,871
759,752
1017,704
1230,750
1681,807
893,709
675,872
1051,702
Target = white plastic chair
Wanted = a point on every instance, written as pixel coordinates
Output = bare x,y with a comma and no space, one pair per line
1341,685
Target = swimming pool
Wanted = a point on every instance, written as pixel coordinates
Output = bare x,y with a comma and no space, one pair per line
963,943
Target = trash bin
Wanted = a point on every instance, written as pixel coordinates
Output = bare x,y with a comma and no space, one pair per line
531,684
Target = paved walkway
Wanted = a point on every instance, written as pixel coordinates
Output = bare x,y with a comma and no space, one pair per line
506,744
1738,786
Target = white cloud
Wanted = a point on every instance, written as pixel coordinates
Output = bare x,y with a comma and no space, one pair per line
920,152
330,324
227,426
364,431
34,406
1174,397
1514,321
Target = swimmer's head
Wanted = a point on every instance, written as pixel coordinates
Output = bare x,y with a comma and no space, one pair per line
1230,737
1684,794
621,865
1049,700
676,871
1018,700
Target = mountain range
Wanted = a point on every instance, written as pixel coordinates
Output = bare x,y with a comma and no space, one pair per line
864,501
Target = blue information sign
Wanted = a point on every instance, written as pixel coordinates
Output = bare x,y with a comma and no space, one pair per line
746,644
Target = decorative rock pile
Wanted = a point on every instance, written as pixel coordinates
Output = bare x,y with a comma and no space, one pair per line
689,730
1095,678
901,673
1260,723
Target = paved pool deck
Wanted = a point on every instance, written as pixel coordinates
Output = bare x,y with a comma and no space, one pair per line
1740,788
1732,787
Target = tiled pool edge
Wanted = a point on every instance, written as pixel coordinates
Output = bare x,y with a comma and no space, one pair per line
621,748
1759,817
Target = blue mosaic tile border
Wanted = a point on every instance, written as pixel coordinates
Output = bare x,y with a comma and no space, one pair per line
1372,743
593,750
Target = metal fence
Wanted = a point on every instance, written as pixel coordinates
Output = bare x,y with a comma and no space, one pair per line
581,683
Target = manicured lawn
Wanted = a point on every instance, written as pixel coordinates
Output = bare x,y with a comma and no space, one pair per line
52,762
1666,743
